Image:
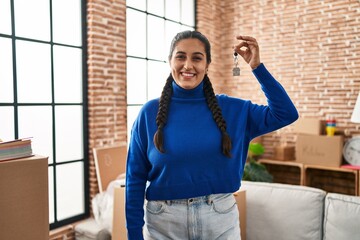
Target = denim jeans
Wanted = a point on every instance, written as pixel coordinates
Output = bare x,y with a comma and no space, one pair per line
203,218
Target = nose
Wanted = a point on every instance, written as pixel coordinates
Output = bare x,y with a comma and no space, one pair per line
188,65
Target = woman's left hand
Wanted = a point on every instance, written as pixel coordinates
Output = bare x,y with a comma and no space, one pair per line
248,48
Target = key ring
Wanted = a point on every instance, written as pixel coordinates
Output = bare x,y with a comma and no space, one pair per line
236,69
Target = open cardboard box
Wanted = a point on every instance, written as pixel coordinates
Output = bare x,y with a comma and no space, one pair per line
110,163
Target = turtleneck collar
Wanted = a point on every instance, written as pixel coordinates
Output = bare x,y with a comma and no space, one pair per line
179,92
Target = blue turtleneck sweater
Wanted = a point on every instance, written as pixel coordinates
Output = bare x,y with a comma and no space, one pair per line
193,163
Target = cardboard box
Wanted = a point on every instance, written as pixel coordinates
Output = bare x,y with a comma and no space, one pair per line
313,126
119,231
110,163
319,150
24,204
284,153
240,197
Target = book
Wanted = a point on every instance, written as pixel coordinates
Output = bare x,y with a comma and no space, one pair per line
14,149
349,166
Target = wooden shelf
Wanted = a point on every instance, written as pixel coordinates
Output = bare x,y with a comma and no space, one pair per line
288,172
330,179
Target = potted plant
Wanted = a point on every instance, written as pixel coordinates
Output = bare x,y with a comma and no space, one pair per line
253,170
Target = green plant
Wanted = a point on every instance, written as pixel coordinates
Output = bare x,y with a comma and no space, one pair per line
253,170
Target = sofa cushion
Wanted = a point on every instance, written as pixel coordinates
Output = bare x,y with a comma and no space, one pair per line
342,217
283,212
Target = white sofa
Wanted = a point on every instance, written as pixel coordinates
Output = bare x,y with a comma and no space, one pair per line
290,212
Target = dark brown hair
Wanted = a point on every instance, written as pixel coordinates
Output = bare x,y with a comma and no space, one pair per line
211,100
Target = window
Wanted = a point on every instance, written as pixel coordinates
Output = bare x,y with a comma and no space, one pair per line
151,25
43,94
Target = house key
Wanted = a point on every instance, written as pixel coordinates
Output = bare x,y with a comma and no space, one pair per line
236,69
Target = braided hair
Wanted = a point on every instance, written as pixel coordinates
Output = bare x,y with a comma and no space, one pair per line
211,100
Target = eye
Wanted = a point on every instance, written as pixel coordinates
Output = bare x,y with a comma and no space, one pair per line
180,57
197,59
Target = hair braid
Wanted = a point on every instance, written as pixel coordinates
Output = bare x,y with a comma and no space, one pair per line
161,117
217,115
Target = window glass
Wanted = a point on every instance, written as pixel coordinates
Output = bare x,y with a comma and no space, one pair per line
156,38
138,4
155,7
172,10
136,81
32,19
171,29
69,125
136,33
6,71
7,123
149,35
5,17
187,12
51,195
67,21
185,28
70,190
36,122
132,113
33,77
158,72
67,74
41,96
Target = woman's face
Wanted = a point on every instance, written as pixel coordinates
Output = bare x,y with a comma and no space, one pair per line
188,63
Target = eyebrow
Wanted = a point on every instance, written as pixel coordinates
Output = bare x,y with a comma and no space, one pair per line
195,53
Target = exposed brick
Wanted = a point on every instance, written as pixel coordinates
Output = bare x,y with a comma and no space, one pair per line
311,47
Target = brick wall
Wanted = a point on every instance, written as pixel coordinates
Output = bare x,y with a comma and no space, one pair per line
106,77
311,47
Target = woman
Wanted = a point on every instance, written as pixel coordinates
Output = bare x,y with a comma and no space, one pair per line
188,149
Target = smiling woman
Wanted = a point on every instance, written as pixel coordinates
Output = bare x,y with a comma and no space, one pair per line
188,149
188,64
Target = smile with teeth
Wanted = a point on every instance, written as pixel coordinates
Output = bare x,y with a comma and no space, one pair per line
188,74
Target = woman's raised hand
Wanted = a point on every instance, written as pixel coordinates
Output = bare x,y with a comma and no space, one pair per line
248,48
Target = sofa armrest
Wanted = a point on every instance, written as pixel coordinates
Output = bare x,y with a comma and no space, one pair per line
342,217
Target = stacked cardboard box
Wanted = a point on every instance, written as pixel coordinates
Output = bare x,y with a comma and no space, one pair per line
24,201
315,148
284,153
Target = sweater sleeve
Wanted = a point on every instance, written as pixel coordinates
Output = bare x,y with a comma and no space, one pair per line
280,110
136,178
